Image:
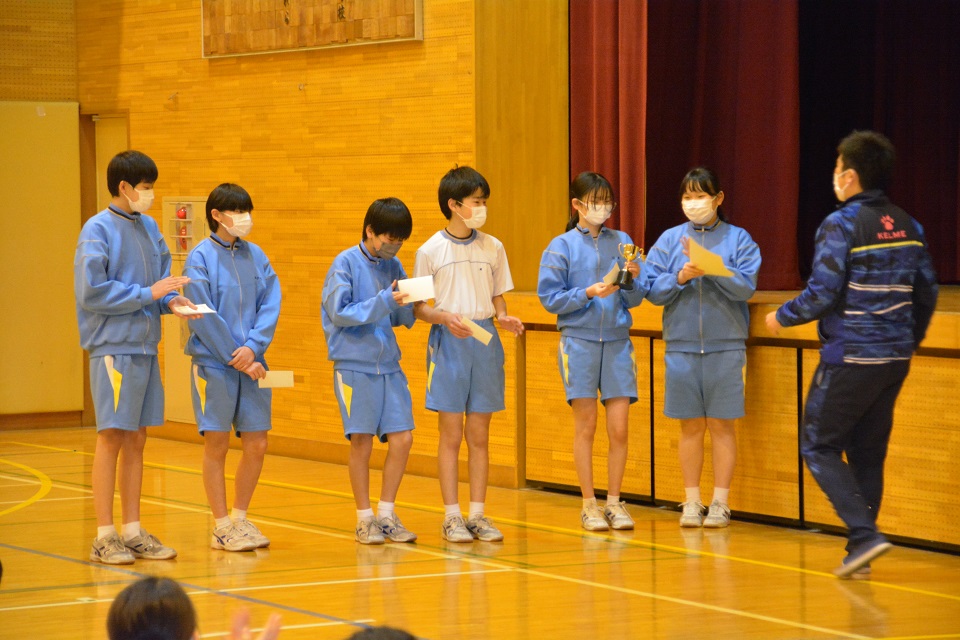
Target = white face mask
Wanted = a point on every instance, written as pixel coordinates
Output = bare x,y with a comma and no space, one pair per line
837,189
242,224
699,211
597,213
144,203
477,217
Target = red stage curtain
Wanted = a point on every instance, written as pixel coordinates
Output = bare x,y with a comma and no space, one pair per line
608,98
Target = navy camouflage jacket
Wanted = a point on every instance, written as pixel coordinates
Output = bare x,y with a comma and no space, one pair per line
873,287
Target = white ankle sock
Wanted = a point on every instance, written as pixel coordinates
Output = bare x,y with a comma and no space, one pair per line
385,509
451,509
364,514
476,509
611,499
131,530
219,523
589,502
721,495
693,494
238,514
105,532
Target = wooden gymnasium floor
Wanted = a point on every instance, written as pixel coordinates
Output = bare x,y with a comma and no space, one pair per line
547,579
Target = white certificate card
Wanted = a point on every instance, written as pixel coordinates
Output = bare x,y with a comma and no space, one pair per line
417,289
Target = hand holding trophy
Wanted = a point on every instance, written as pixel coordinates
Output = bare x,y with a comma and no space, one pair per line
630,252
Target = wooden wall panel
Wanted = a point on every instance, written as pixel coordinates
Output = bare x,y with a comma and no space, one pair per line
38,51
523,144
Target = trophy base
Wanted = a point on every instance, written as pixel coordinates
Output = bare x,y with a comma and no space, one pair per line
624,281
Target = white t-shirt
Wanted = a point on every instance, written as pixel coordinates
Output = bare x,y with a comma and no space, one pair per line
467,274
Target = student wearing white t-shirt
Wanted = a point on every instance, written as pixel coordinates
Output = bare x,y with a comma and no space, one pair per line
465,381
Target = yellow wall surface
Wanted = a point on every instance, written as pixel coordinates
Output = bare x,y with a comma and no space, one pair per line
40,182
38,50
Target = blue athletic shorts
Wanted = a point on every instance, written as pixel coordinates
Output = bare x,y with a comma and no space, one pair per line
587,366
374,404
463,374
225,397
705,385
127,391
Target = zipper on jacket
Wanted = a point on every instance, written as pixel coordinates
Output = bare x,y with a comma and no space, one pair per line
233,259
138,226
700,289
596,248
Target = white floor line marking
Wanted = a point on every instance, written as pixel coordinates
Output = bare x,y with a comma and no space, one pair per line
49,499
223,634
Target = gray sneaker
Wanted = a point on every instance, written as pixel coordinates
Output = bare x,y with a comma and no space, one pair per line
692,514
110,550
718,516
591,518
148,547
393,529
250,530
368,532
230,538
481,528
616,514
454,529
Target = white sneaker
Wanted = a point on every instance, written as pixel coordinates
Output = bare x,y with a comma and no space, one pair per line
454,529
591,518
692,514
148,547
368,532
394,530
250,530
230,538
718,516
481,528
110,550
617,515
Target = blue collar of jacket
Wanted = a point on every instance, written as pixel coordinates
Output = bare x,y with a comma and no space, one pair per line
585,231
122,213
369,256
237,243
874,197
701,228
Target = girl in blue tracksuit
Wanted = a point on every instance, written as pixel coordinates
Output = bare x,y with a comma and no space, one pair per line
705,320
596,353
233,277
361,306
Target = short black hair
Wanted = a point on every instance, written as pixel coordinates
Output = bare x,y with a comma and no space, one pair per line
871,155
388,216
460,183
227,197
132,167
583,185
705,180
152,609
382,633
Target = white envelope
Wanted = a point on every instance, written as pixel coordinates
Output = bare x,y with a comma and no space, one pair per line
201,308
277,380
417,289
611,276
711,263
479,332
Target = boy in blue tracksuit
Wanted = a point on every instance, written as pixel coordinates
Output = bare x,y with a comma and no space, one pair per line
705,323
233,277
122,285
361,305
596,353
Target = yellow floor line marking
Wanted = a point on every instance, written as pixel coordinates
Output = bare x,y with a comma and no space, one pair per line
44,489
535,526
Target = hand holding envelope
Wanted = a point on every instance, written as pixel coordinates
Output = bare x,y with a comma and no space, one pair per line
417,289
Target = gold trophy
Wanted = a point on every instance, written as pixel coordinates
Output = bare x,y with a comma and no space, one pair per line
630,252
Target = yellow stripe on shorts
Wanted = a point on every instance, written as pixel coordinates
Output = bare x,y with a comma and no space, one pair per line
430,369
201,386
346,392
566,365
116,380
